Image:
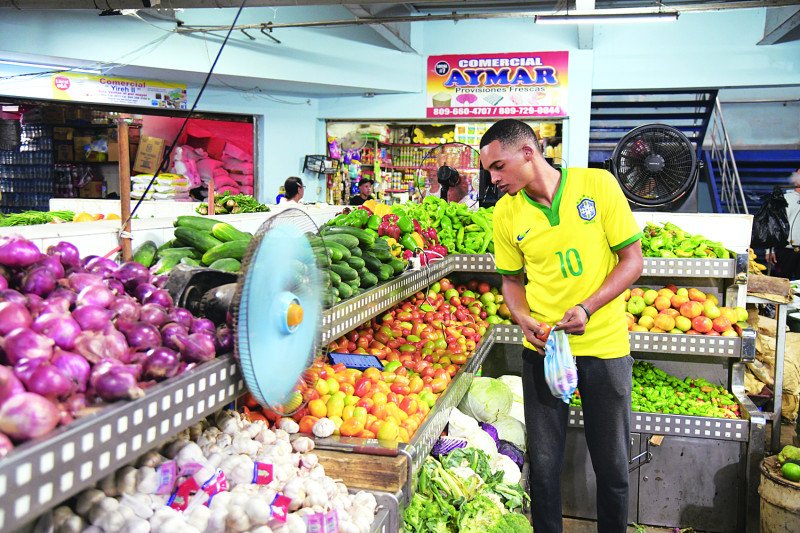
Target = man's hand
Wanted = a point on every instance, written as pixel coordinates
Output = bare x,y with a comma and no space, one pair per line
574,321
534,332
770,257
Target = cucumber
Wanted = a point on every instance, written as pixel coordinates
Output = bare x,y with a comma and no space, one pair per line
385,272
381,244
329,298
184,251
335,278
226,264
201,240
397,265
363,237
165,264
233,249
189,261
348,241
354,283
194,222
344,271
356,263
382,255
323,260
371,262
356,252
227,233
145,254
167,245
368,280
336,253
343,251
345,291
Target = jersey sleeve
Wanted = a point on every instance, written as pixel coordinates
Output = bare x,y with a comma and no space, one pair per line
507,255
620,227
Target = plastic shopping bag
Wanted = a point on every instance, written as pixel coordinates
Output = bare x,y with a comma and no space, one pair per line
771,223
560,371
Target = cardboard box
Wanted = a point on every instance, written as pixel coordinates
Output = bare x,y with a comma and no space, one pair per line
78,143
62,134
113,151
148,157
93,189
64,153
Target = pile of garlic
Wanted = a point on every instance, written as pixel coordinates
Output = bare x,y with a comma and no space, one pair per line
127,502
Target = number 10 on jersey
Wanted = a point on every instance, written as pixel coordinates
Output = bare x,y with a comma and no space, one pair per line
570,263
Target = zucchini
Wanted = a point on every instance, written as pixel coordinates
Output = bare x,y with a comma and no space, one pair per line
345,240
356,251
345,291
385,272
344,271
363,237
335,278
397,265
189,261
201,240
145,254
368,280
227,233
233,249
226,264
165,264
371,262
356,263
195,222
343,250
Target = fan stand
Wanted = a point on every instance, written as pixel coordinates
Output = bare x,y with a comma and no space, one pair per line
447,177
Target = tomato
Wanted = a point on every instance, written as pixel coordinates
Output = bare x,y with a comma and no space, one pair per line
400,388
372,374
439,384
306,423
415,384
545,333
409,406
317,408
366,403
351,427
458,359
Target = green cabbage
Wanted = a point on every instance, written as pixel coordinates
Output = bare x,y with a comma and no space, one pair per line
510,429
486,399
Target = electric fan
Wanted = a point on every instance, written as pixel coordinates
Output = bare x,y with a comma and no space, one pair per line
450,170
274,304
657,168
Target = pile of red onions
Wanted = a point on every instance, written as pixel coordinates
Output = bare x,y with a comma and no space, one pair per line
77,332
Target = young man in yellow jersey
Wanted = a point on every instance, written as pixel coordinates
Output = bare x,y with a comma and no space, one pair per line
572,235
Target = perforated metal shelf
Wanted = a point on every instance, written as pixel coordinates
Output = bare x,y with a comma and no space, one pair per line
679,425
689,268
39,475
472,263
641,342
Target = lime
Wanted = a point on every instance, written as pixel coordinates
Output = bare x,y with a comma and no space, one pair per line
791,472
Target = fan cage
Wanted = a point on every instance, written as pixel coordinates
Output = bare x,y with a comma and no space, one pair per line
462,157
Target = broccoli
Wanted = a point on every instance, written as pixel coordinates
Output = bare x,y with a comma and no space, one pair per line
511,523
789,454
478,515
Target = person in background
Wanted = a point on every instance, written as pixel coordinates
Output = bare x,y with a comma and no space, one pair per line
294,191
785,262
571,233
364,192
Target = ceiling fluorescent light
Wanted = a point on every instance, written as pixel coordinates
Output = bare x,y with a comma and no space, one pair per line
50,67
606,19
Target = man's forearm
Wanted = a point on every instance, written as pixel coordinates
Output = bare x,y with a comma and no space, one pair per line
514,296
624,274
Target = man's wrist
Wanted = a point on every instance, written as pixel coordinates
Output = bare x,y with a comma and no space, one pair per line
585,310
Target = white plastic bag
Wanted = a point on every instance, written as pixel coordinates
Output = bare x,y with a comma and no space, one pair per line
560,371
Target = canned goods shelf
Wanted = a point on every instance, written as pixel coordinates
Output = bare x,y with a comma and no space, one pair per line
39,475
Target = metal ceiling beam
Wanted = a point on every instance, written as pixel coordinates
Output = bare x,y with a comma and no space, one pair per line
585,31
397,34
781,25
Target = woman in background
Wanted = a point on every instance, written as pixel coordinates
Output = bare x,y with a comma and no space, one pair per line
294,191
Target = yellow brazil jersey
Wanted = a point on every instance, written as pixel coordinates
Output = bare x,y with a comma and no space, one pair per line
567,251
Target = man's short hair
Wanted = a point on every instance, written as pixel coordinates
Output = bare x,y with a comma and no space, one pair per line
510,132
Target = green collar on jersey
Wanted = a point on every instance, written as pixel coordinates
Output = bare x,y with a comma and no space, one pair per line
550,212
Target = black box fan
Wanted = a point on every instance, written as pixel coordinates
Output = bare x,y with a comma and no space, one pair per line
657,168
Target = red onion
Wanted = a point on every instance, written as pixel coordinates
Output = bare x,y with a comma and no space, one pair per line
17,252
65,294
160,297
27,416
160,363
39,281
5,445
50,381
10,385
202,325
92,317
143,290
117,384
24,368
52,264
132,274
80,280
67,253
223,340
143,337
13,315
97,295
54,304
101,266
74,366
24,343
172,328
75,404
175,341
63,329
3,282
115,286
181,316
199,348
95,346
10,295
153,314
161,280
84,262
125,308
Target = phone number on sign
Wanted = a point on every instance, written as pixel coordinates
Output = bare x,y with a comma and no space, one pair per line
497,111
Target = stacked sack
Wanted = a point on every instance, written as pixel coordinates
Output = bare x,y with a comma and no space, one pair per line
233,173
166,187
